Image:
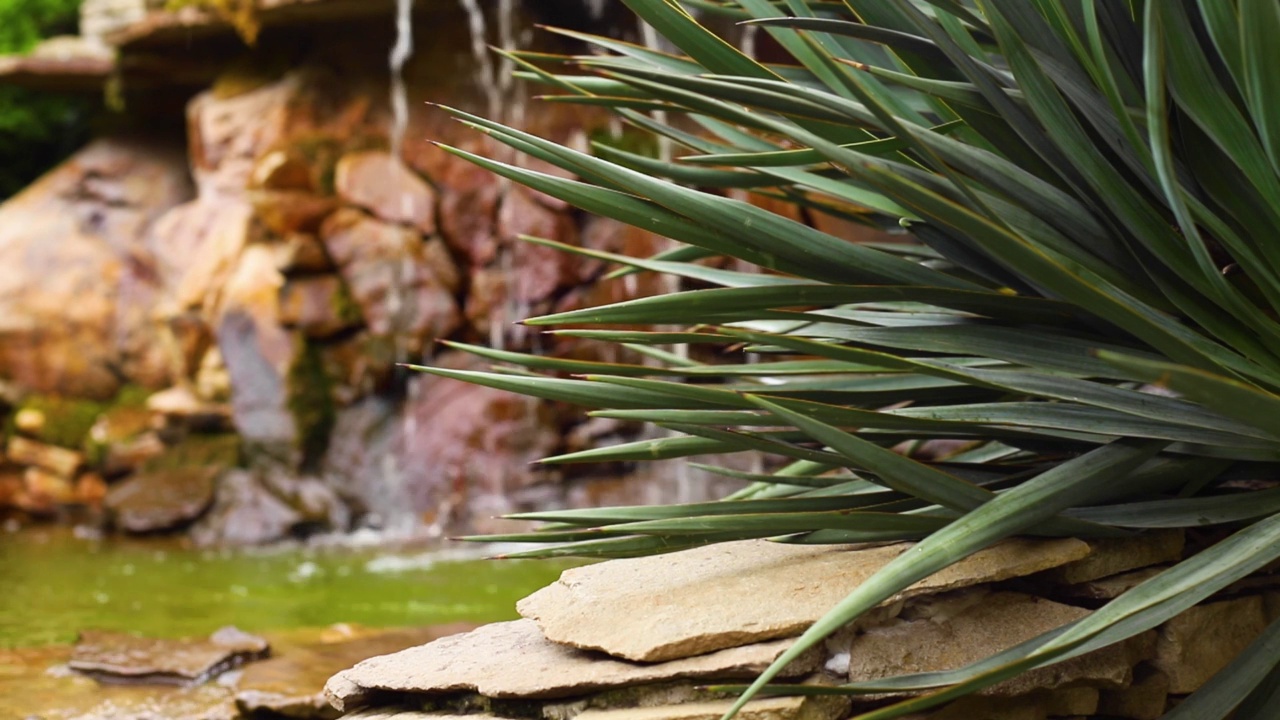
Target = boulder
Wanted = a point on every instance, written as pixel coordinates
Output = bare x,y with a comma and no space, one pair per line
514,660
245,513
387,188
259,354
596,607
78,283
197,246
152,501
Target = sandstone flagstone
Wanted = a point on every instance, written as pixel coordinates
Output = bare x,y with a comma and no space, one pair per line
778,708
950,632
1109,556
514,660
639,609
1201,641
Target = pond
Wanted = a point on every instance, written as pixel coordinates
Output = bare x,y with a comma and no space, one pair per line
55,584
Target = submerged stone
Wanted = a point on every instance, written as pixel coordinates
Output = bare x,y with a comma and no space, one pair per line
123,657
697,601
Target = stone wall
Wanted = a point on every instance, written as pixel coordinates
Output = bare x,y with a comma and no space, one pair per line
268,295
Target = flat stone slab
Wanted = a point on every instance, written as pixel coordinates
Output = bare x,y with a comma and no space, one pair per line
1111,556
953,631
778,708
514,660
697,601
122,657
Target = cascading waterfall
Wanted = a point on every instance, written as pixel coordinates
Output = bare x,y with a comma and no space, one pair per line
392,474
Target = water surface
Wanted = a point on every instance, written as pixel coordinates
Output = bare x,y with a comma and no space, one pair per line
53,584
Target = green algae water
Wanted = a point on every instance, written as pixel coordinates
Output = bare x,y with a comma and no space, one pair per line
53,584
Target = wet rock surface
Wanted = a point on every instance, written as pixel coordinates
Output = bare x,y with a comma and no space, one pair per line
120,657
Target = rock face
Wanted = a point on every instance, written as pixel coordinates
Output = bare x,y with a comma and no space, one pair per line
593,607
274,278
78,280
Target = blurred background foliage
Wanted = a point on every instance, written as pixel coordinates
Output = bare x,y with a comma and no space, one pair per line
37,129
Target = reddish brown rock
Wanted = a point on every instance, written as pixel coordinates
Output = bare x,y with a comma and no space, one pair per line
319,306
470,446
387,188
385,268
228,134
468,208
78,285
541,269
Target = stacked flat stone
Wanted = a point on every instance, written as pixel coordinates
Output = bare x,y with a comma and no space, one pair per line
642,639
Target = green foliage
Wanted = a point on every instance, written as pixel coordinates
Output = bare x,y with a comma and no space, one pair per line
1090,308
36,129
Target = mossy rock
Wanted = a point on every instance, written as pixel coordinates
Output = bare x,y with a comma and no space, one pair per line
66,420
311,401
221,451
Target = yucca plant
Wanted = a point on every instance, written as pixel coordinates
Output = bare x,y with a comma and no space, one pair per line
1090,301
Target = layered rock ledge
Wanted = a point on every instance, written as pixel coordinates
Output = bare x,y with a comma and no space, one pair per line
650,638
